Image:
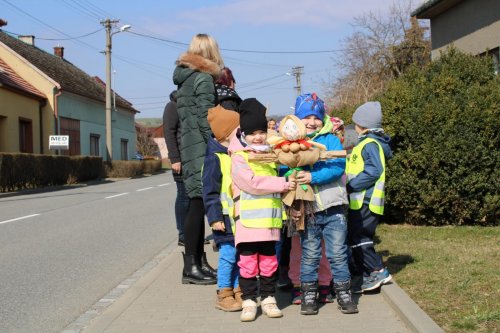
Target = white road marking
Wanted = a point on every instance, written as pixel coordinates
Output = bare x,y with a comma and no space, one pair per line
144,189
116,195
163,184
19,218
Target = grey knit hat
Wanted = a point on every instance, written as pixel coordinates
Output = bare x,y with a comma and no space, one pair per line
368,115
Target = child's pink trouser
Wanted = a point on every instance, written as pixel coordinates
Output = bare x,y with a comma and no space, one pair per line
324,272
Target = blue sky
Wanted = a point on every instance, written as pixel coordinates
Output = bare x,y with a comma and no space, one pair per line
143,66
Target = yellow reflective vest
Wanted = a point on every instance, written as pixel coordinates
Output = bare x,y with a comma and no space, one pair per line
260,211
226,192
355,165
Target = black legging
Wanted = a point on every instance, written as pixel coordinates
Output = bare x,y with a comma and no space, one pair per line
194,227
286,246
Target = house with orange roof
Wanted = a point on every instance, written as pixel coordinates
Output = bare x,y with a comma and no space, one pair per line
20,113
70,102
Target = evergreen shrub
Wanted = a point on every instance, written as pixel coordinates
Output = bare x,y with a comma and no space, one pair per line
25,171
445,126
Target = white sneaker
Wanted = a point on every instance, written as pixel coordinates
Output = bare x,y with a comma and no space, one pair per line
269,307
249,310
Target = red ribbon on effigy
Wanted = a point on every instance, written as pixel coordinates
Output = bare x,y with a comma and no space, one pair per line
300,141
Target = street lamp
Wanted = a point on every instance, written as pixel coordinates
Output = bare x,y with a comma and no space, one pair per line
108,26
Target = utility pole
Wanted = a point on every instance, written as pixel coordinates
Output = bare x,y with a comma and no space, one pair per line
297,72
109,139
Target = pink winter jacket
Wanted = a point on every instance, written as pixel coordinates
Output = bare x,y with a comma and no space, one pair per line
244,179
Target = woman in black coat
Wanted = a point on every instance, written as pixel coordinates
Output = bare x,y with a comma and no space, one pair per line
172,135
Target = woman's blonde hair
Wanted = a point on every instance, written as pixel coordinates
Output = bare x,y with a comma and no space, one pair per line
207,47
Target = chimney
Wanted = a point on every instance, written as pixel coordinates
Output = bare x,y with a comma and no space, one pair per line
29,39
59,51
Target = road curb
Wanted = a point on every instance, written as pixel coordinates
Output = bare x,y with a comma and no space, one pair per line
102,314
103,321
408,311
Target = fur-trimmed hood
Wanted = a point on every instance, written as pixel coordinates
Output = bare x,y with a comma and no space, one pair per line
199,64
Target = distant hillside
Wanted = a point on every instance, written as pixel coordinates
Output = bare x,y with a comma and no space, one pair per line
149,122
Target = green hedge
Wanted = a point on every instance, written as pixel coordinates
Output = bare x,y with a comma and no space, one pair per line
445,125
22,171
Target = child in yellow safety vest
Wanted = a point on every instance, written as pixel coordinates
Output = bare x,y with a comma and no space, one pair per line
258,211
217,199
365,184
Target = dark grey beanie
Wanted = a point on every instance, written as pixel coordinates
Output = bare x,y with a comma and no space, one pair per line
368,115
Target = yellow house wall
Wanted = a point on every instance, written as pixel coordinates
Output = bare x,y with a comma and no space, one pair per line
12,107
39,81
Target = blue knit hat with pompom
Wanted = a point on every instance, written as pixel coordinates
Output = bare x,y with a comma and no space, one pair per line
309,104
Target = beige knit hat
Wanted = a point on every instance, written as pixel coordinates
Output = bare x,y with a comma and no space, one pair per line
222,122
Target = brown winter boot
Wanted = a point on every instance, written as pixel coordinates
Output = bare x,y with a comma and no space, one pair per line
225,300
237,296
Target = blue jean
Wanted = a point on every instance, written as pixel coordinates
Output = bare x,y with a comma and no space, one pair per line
181,208
331,225
228,270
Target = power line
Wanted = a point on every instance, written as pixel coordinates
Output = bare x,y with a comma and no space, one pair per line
234,60
98,10
152,108
90,15
86,9
128,60
253,63
266,86
158,38
46,24
148,97
241,50
282,52
246,85
151,103
141,65
71,38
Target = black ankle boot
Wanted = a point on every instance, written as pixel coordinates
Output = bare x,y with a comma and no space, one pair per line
309,301
193,274
344,298
205,267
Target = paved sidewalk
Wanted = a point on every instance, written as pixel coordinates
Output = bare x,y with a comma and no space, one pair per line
159,302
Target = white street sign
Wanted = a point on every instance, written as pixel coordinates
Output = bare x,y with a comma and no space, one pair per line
59,142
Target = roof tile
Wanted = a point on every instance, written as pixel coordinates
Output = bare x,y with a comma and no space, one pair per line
10,78
70,77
